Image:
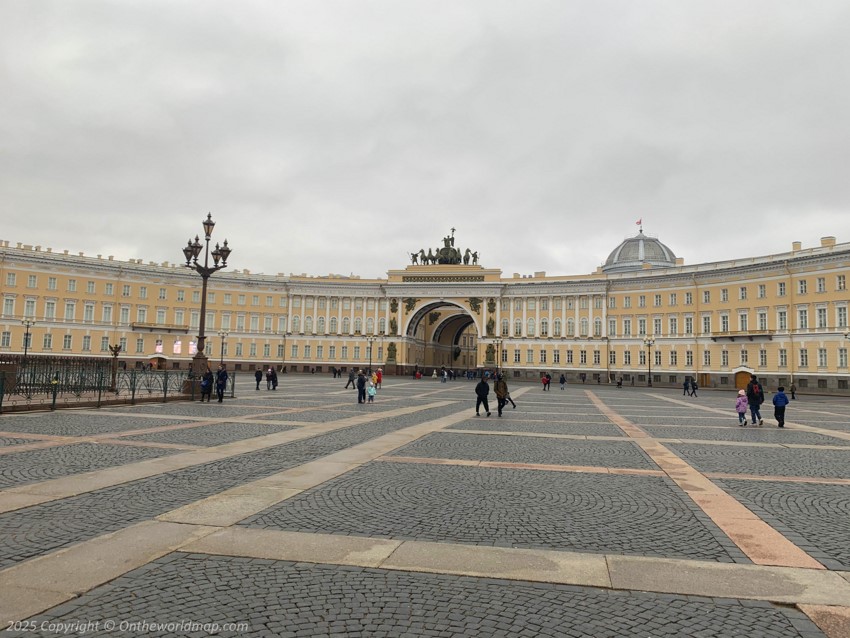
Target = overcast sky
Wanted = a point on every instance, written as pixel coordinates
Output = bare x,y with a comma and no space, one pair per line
338,136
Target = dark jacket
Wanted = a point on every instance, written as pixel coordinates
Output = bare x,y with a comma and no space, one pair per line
258,375
780,400
221,379
361,381
482,389
754,397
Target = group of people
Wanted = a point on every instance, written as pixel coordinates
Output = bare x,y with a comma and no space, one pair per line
690,386
271,378
503,396
366,385
219,380
752,398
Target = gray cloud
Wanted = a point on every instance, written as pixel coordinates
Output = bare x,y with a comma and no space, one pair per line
338,136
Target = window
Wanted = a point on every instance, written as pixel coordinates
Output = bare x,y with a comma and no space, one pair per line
627,358
821,284
627,327
332,352
583,326
597,327
544,327
358,325
255,300
656,326
612,302
657,357
516,356
674,358
344,351
160,316
706,296
743,322
140,345
67,342
821,317
357,352
782,319
802,287
642,358
532,304
296,323
333,325
762,291
320,325
641,327
109,290
840,282
841,314
529,356
556,326
783,358
104,344
88,313
569,357
742,292
724,358
689,299
49,309
142,316
308,324
8,307
506,328
744,357
571,327
518,328
612,327
842,357
689,358
556,356
689,325
802,318
762,319
706,357
181,295
29,308
821,357
724,323
47,342
780,289
596,357
763,357
293,351
542,356
51,283
70,310
657,301
32,281
706,325
346,325
627,302
804,357
308,351
90,287
125,290
530,327
86,343
642,301
582,357
724,294
674,326
673,298
72,285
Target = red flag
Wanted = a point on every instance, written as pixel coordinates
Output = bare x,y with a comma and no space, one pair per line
639,222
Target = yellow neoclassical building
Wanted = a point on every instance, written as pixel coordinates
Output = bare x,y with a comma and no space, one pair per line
643,317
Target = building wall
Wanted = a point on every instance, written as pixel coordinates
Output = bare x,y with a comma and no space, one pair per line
783,317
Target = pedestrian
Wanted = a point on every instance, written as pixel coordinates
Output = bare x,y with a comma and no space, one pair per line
501,388
380,378
548,381
779,403
371,392
220,382
351,379
741,404
269,378
563,380
687,386
793,390
374,379
206,385
258,376
619,382
481,392
694,388
755,397
361,387
434,374
274,378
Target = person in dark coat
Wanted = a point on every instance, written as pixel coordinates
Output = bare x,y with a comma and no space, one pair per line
481,392
274,378
351,379
258,376
694,388
220,382
755,397
779,403
687,386
207,380
501,388
361,387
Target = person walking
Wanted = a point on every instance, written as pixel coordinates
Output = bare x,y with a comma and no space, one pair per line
693,388
207,385
563,380
793,390
220,382
380,374
755,397
501,388
481,392
274,378
687,386
351,379
269,378
361,387
741,404
779,403
258,376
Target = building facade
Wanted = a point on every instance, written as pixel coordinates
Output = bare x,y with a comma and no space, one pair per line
643,316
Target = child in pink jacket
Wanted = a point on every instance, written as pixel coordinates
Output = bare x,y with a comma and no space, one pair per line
741,408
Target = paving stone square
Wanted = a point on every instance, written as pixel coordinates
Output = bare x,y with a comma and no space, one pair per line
527,449
279,598
81,423
540,426
503,507
209,435
745,435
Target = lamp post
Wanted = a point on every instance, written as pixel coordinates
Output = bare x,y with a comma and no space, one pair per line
649,342
191,252
498,343
370,341
283,362
27,323
223,335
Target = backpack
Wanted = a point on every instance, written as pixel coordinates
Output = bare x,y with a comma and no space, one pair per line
756,390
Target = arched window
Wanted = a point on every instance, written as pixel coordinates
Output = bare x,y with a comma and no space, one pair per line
296,323
334,325
571,328
346,325
530,328
370,326
308,324
544,327
584,326
518,328
320,325
556,328
506,328
597,327
382,325
358,325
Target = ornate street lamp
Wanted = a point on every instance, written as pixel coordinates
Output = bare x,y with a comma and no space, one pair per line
370,341
27,323
192,251
649,342
223,335
114,350
283,362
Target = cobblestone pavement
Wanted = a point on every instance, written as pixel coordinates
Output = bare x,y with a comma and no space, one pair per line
400,473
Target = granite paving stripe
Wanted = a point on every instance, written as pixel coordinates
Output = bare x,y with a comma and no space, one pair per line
46,491
319,599
788,479
45,527
598,513
759,541
743,435
525,425
211,435
6,441
520,466
834,621
539,435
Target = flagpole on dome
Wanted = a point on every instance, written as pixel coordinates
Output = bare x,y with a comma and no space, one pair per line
640,223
